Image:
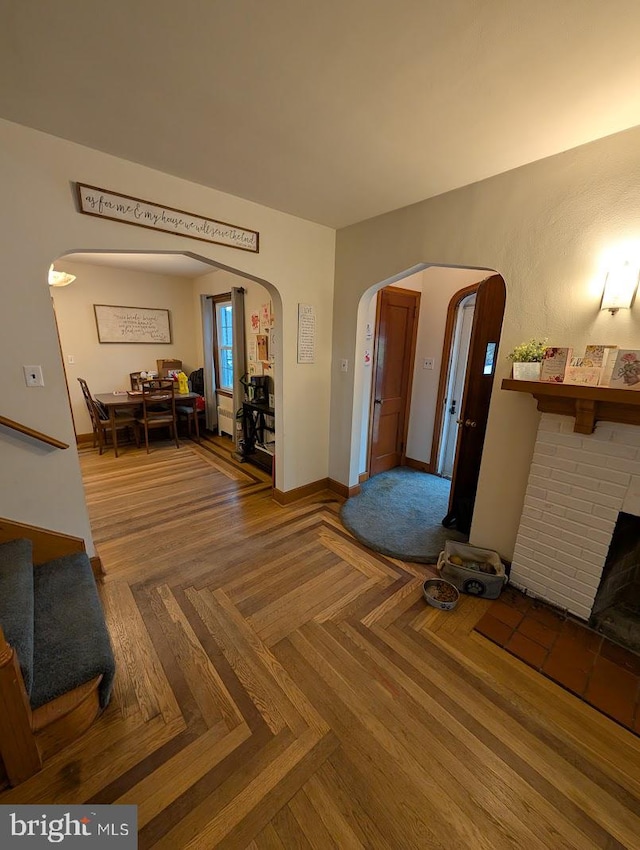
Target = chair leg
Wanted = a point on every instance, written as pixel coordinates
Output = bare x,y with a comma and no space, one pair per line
175,433
195,417
132,429
146,437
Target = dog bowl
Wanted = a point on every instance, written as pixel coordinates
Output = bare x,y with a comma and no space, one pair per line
440,593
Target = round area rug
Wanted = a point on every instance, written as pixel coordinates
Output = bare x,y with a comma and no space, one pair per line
399,513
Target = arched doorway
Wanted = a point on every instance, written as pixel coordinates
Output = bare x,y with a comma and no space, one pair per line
134,278
440,287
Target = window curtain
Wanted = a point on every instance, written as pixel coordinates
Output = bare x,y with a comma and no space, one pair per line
239,364
210,406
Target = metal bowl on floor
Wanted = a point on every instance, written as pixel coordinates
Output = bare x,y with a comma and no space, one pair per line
440,593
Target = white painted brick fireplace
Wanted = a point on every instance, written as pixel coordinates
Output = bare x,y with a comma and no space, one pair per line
577,486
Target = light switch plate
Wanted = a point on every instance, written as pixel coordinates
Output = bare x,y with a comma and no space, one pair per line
33,376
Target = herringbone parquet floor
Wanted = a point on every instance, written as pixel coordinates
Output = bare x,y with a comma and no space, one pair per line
279,686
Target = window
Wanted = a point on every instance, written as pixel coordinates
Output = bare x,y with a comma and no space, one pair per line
224,345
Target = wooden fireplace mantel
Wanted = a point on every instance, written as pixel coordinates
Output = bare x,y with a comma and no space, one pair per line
588,404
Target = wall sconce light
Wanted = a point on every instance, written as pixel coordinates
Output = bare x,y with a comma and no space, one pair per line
620,288
60,278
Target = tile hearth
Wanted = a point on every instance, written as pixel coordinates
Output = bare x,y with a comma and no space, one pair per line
599,671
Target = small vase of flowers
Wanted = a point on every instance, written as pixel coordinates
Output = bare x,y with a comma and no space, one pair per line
527,358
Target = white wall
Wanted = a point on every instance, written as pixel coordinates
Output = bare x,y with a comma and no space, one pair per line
548,229
106,367
437,287
39,222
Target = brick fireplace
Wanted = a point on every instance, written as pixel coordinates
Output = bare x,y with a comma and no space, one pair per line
579,484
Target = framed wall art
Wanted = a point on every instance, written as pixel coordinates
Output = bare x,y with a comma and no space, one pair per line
132,324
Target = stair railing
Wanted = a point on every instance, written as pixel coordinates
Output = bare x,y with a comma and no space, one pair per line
31,432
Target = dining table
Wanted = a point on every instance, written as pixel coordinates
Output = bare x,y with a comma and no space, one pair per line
132,400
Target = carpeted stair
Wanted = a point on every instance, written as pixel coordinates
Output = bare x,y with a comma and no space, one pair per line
52,616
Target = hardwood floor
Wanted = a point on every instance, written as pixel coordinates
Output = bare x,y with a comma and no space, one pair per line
279,686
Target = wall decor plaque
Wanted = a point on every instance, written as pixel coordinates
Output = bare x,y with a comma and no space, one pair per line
129,210
132,324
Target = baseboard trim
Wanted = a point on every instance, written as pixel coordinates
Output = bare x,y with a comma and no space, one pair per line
343,490
84,439
47,544
364,476
286,497
98,569
422,465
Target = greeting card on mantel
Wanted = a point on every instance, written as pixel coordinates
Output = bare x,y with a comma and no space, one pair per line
603,356
626,371
578,372
597,355
554,364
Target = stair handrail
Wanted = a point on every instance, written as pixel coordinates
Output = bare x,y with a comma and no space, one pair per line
31,432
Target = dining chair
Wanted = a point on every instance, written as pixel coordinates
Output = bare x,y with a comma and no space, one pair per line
158,408
189,412
100,422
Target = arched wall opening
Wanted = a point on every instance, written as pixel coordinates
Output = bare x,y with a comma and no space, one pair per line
438,284
176,281
296,256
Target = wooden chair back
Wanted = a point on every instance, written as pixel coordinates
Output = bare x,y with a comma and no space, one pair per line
158,407
100,422
136,380
88,398
158,395
97,418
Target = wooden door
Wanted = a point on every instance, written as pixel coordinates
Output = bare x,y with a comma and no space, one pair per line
396,329
474,410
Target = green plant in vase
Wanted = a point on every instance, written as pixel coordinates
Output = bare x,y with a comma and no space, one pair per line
527,358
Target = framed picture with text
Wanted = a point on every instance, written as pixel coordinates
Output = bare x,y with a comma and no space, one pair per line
132,324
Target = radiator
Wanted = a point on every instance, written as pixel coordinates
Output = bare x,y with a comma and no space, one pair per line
225,421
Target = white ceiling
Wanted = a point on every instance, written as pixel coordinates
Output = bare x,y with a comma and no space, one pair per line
178,265
333,110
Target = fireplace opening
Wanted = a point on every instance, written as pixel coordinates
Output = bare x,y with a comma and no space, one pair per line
616,609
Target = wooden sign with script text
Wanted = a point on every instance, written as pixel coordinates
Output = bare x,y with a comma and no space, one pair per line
132,324
105,204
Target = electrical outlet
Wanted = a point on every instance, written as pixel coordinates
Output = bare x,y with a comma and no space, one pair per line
344,365
33,376
428,363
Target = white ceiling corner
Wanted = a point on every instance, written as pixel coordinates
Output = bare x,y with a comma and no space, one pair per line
334,111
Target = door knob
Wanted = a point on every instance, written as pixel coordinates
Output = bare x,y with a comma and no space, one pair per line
468,423
377,401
